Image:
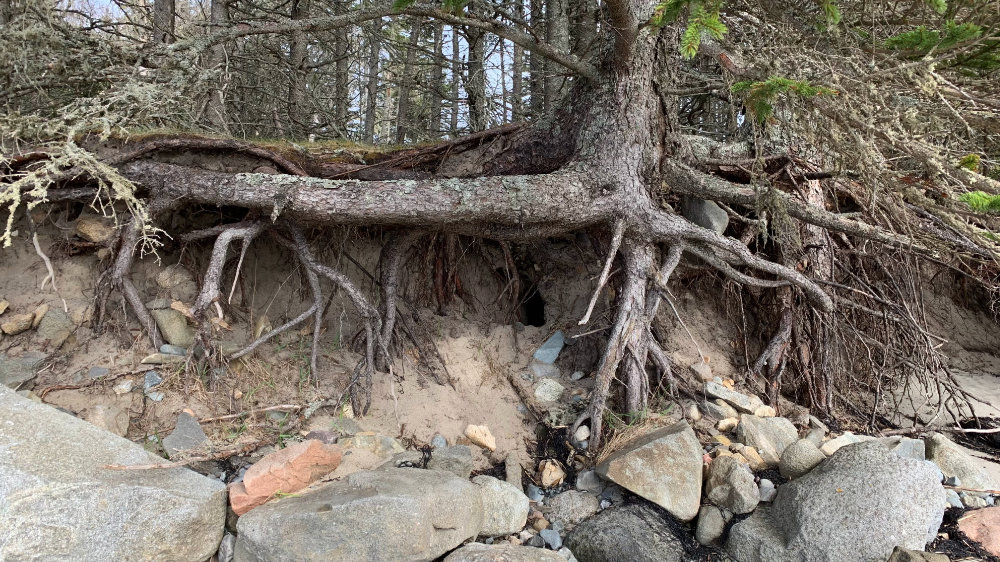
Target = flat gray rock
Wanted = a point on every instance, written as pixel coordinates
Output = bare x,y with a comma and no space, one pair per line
857,506
741,402
174,327
906,447
55,327
187,435
571,507
706,214
393,514
456,459
58,501
549,351
16,371
663,466
636,532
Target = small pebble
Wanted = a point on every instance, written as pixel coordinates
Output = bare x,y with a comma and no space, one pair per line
551,538
582,433
536,541
951,496
173,349
693,413
155,396
577,375
152,380
534,493
96,372
767,490
439,441
124,387
540,524
727,424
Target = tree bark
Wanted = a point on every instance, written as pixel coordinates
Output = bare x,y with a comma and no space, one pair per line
403,109
371,86
475,82
218,116
163,22
298,73
437,82
341,51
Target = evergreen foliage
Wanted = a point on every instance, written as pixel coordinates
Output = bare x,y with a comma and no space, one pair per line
981,201
760,97
923,41
703,18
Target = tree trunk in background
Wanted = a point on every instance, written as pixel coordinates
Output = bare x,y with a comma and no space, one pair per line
536,64
409,66
371,88
436,82
163,22
341,95
456,74
298,55
218,117
475,83
517,68
557,34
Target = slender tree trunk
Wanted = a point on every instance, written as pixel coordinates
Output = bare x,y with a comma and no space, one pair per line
298,57
436,82
163,22
475,84
557,34
6,11
371,88
341,50
583,15
517,69
218,116
536,64
456,76
406,82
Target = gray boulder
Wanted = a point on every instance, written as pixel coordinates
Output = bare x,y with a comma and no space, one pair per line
663,466
906,447
456,459
711,524
955,462
635,532
58,501
393,514
731,486
505,508
706,214
16,371
770,436
833,445
857,506
799,458
571,507
504,552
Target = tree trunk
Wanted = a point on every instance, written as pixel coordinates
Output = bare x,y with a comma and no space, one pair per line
409,66
341,51
163,22
517,71
557,35
475,83
371,86
298,112
456,77
536,64
218,116
436,82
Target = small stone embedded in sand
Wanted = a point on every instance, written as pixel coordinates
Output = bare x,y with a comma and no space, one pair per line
3,306
123,387
549,351
582,433
702,370
162,358
17,324
548,391
94,229
550,473
481,436
40,313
